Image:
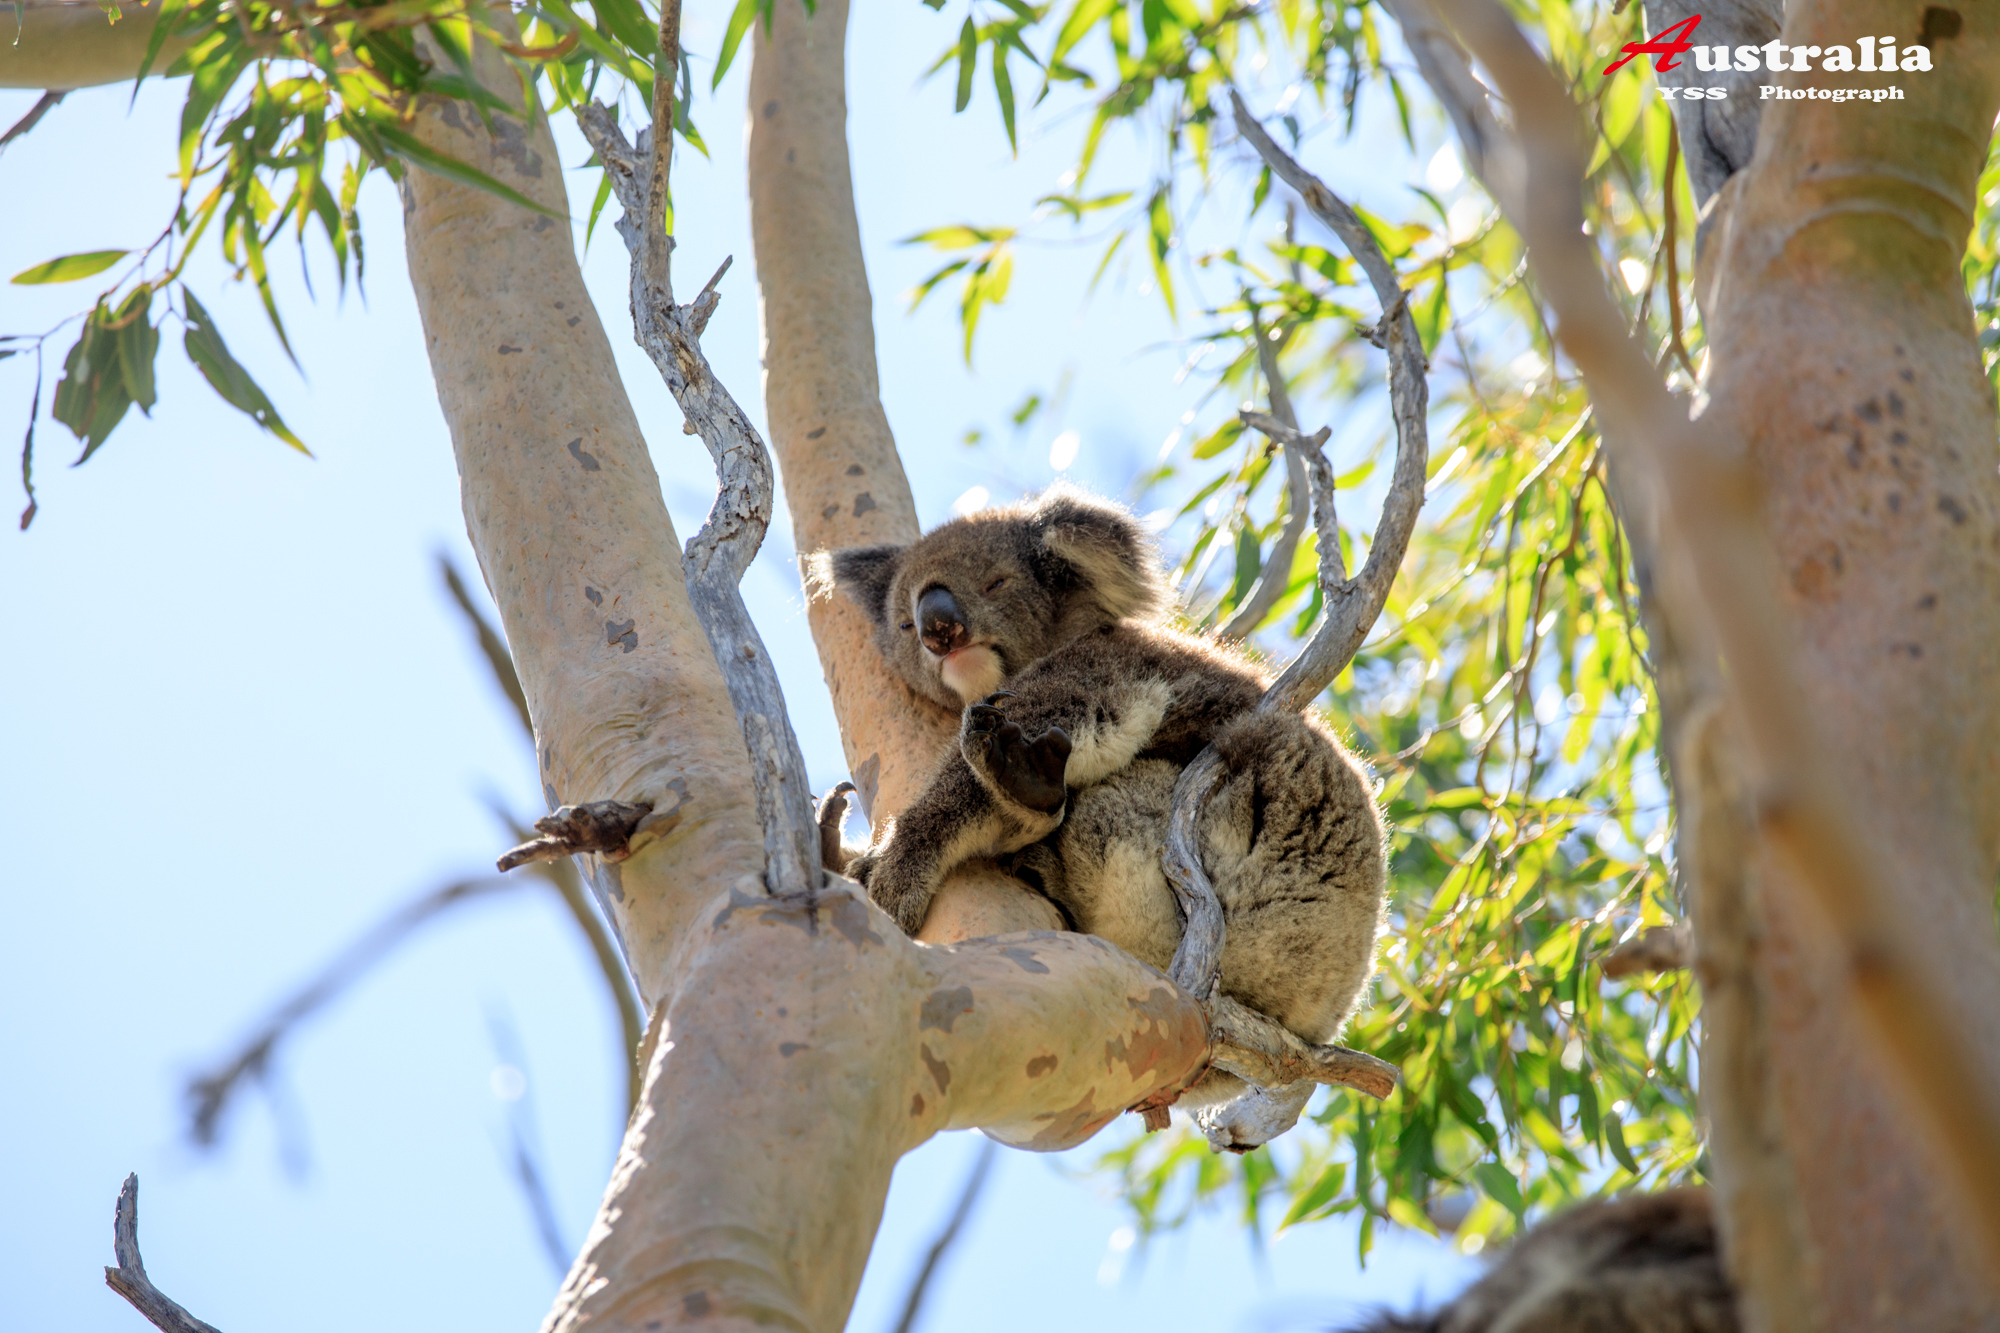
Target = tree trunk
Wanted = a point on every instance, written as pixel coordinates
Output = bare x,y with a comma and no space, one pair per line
800,1043
1843,355
844,482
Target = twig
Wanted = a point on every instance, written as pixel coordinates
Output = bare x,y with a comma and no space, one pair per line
490,643
982,1165
45,104
1277,575
528,1173
1655,949
718,554
208,1094
129,1278
603,827
1802,813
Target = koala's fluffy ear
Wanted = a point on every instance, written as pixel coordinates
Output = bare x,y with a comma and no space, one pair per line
862,572
1104,550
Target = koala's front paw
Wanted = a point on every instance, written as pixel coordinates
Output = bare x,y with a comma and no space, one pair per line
1028,772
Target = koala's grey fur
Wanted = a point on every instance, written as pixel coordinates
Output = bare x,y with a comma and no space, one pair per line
1070,779
1647,1263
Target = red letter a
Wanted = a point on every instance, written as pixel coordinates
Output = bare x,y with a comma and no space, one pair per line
1663,48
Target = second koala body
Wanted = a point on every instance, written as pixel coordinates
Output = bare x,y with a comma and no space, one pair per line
1043,621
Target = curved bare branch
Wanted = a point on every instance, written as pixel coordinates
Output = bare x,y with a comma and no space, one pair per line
1351,605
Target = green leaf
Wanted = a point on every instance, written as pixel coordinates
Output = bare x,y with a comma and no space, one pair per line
1501,1187
1614,1134
1087,15
1162,227
740,19
69,268
430,159
91,398
229,379
138,347
1322,1192
1003,87
968,56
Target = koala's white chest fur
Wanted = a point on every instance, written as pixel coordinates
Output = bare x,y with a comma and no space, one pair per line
972,673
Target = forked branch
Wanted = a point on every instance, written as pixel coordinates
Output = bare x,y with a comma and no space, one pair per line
1352,605
717,555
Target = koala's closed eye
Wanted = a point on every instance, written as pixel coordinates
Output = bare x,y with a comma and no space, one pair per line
907,625
997,584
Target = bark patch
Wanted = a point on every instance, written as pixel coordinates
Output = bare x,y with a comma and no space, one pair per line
576,451
1041,1065
1021,956
940,1071
943,1007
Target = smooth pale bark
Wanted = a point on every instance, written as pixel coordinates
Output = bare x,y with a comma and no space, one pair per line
801,1044
564,510
843,480
1843,354
74,44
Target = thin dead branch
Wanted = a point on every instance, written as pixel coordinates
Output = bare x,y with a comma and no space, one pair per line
716,556
491,644
208,1095
1354,605
129,1278
602,827
1277,574
1263,1051
1801,812
968,1196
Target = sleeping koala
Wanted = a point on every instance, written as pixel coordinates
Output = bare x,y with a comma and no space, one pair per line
1044,622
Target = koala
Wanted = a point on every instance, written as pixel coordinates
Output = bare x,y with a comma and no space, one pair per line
1647,1263
1044,624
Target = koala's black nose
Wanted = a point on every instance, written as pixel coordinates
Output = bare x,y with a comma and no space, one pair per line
941,621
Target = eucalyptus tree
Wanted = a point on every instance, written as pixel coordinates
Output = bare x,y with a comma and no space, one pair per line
1791,600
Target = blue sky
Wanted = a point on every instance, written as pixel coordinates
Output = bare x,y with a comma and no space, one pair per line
241,722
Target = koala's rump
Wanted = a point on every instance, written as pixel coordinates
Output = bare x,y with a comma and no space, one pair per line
1292,844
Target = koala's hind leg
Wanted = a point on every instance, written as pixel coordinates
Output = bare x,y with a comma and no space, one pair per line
1294,845
956,819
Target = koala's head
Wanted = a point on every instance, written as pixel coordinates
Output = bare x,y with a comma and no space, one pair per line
974,601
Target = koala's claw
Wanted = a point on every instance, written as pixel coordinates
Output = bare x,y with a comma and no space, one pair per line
1026,771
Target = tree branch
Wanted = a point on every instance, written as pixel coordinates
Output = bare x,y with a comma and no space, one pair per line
1716,508
208,1095
605,828
62,45
1352,606
43,105
129,1278
717,555
982,1166
1277,575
